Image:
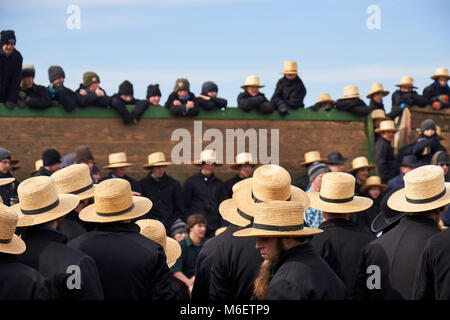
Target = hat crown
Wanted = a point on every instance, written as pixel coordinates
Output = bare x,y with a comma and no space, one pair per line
373,180
39,163
154,230
337,185
112,196
387,125
279,213
378,114
252,81
351,91
424,182
406,80
360,162
313,156
324,97
119,157
376,87
72,178
243,158
156,157
8,222
271,182
208,156
37,193
290,67
440,72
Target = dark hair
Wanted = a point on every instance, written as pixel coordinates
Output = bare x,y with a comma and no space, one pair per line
194,219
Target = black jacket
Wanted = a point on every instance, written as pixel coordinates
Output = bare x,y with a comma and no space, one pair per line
432,280
397,254
385,160
259,102
182,110
230,183
364,219
165,194
355,106
234,269
131,266
302,182
202,194
290,93
8,191
118,104
91,99
429,146
42,172
62,95
300,274
409,99
39,97
10,75
432,93
48,253
72,227
348,241
21,282
212,104
134,184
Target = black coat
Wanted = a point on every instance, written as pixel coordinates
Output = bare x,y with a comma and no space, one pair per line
289,92
259,102
21,282
234,269
302,182
134,184
202,194
230,183
165,194
325,250
48,253
8,191
39,97
429,146
64,96
432,280
181,110
348,241
212,104
43,172
300,274
10,75
72,227
397,254
409,99
120,106
364,219
131,266
384,158
355,106
432,93
91,99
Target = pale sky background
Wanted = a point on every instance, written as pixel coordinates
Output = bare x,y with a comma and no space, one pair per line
157,41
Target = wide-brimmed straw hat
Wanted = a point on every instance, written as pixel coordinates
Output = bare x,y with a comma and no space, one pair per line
373,181
312,156
440,72
118,160
290,67
337,195
5,181
207,156
406,82
377,88
350,92
155,230
243,158
37,165
269,182
386,125
325,97
74,179
219,231
39,202
156,159
9,242
113,201
379,114
252,81
360,163
425,189
278,219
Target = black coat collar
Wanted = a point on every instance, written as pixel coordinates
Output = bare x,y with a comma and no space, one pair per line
44,234
118,227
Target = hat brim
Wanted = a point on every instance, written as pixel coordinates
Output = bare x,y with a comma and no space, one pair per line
252,232
67,202
289,72
199,164
381,222
344,160
87,194
385,93
384,130
440,76
351,97
157,164
118,165
305,163
325,101
370,166
252,85
228,211
397,201
173,251
406,85
5,181
15,246
382,186
142,205
356,205
243,197
236,165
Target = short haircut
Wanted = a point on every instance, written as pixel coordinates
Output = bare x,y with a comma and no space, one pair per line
194,219
83,155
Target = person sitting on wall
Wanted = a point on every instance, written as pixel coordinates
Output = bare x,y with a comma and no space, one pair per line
181,101
251,98
90,93
31,94
208,100
10,68
351,102
428,143
58,92
438,92
376,95
325,102
406,96
124,97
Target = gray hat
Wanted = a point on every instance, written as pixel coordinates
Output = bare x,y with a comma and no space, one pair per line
428,124
209,86
315,169
177,227
4,154
55,72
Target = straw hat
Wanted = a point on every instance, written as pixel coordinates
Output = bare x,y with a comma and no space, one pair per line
441,72
74,179
360,163
118,160
386,125
439,132
9,242
373,181
377,88
219,231
325,97
269,182
350,92
37,165
5,181
243,158
113,202
337,195
312,156
156,159
290,67
406,82
425,189
39,202
252,81
278,219
207,156
379,114
155,230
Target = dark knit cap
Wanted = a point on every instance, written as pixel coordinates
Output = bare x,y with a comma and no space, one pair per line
55,72
153,90
209,86
28,71
83,154
181,84
178,226
440,157
428,124
89,78
315,169
51,157
4,154
8,36
126,88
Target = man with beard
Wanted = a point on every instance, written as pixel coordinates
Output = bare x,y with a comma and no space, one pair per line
10,69
244,164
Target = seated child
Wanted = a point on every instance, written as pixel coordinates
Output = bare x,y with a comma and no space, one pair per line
251,98
438,92
181,101
208,100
